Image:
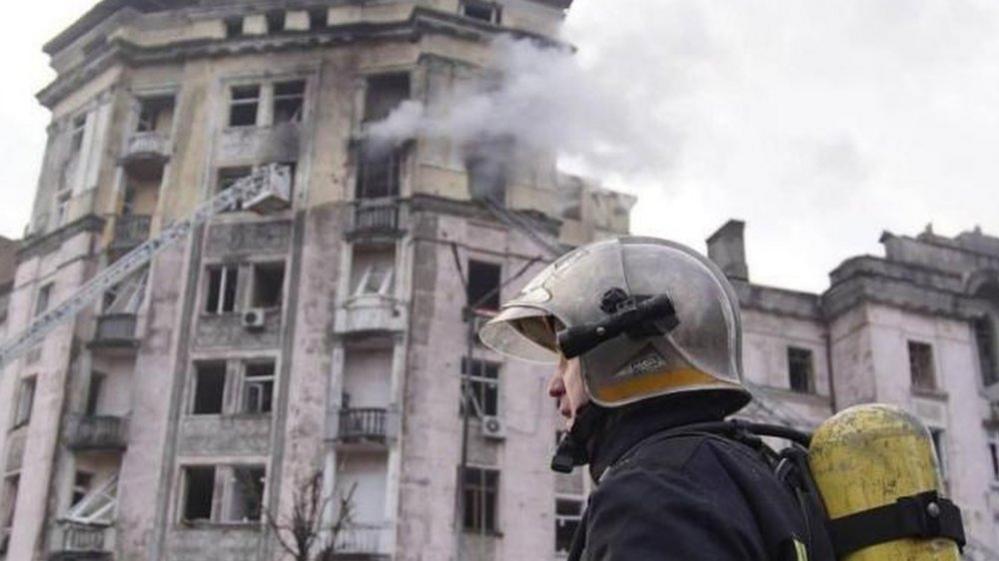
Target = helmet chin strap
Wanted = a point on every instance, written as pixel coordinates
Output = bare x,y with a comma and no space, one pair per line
573,449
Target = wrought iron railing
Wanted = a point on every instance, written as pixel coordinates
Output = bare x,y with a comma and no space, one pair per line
360,539
367,423
97,432
82,537
130,230
374,218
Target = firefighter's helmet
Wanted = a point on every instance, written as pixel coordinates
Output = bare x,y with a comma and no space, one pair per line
646,317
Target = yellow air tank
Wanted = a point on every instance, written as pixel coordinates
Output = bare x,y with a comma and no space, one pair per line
868,456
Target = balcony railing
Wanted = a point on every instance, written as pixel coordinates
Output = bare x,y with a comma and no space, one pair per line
115,330
367,423
97,432
361,539
83,541
374,219
130,230
146,152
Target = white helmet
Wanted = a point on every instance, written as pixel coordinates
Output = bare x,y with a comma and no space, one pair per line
647,318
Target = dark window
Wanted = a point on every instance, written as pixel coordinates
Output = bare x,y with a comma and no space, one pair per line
994,455
275,21
247,494
921,366
268,285
243,107
800,370
94,392
81,486
488,162
154,114
383,94
289,97
568,513
480,387
234,26
209,388
258,388
25,401
11,484
199,492
483,11
43,299
221,295
985,339
940,448
480,490
483,285
76,134
378,173
318,19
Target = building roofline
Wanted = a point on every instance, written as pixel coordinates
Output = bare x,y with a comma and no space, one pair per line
100,12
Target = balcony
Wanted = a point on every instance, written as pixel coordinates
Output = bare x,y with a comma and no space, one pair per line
364,426
145,154
366,313
96,433
362,541
375,221
130,230
115,331
82,542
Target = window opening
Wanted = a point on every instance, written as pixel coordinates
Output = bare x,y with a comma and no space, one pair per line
209,388
275,21
994,456
940,448
383,94
378,173
62,207
82,481
800,370
11,485
480,488
376,279
921,365
199,493
318,19
483,285
289,98
247,493
568,514
227,177
154,114
480,387
482,11
221,297
25,401
43,299
76,133
487,163
258,388
244,104
234,26
268,285
94,392
985,339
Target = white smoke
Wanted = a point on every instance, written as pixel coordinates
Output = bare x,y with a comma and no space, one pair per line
544,101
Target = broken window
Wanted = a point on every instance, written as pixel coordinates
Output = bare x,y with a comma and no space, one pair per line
234,26
25,401
76,133
199,493
43,299
82,481
289,98
378,173
488,162
383,94
275,21
800,370
985,340
268,285
94,393
568,514
921,366
209,388
246,494
480,488
258,388
221,294
155,114
480,388
244,104
482,11
483,285
318,19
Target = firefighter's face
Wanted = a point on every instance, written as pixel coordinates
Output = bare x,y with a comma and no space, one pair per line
566,387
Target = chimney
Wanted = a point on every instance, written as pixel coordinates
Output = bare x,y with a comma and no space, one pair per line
727,248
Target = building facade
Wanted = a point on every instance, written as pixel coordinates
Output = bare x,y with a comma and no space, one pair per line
182,416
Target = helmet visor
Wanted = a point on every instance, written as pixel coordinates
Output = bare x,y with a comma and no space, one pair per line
521,332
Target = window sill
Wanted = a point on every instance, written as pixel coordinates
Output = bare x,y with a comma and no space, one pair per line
930,393
485,533
210,525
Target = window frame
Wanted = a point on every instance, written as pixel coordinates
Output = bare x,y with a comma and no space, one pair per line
256,268
182,510
575,519
495,11
805,357
77,133
196,372
43,298
916,374
230,483
250,380
487,487
278,98
240,102
228,271
25,405
492,304
481,386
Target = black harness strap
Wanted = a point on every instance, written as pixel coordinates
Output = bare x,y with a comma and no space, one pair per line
926,515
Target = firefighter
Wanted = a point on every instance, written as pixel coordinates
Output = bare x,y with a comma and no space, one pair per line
645,337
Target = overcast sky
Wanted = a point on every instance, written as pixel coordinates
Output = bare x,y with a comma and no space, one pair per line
819,123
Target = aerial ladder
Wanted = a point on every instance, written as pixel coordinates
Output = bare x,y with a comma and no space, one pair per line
265,190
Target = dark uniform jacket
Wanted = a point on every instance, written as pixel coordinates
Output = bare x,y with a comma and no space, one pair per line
666,495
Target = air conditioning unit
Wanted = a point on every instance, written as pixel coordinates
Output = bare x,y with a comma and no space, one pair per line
254,318
493,428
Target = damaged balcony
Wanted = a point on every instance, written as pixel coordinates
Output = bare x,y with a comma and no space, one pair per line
366,313
130,230
146,152
82,542
96,433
